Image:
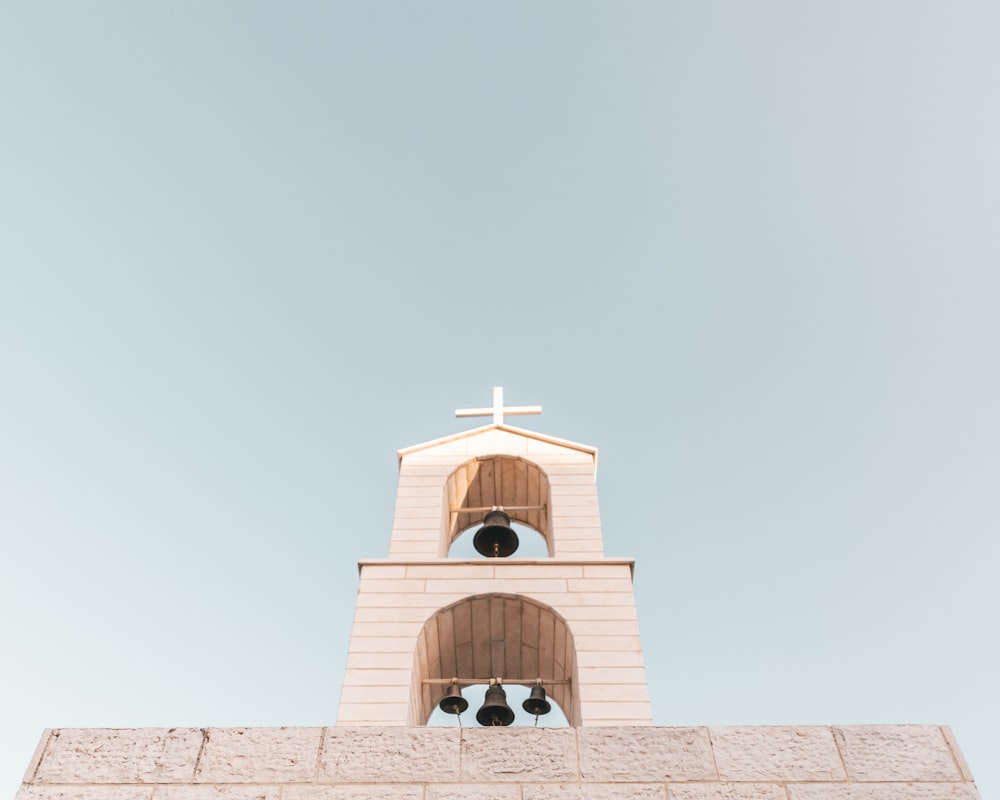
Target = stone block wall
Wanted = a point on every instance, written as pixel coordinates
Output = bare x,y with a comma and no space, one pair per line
395,599
892,762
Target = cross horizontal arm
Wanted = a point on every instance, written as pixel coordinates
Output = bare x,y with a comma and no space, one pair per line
488,412
473,412
498,409
520,411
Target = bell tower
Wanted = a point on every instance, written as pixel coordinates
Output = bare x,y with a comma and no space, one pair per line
427,624
562,622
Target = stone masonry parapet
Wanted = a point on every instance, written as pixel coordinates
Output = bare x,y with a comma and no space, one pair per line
888,762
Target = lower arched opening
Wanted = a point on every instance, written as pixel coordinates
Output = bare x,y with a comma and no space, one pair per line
504,637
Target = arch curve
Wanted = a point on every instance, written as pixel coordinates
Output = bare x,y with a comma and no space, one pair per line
515,484
495,635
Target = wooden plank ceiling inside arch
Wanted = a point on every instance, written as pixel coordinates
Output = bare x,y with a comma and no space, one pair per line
495,636
504,481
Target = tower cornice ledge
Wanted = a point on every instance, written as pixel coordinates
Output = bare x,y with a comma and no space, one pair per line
474,432
499,562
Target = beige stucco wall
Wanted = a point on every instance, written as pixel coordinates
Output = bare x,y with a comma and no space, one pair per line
396,598
421,515
591,593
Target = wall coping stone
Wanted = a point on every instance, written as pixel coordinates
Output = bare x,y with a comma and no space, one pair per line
856,762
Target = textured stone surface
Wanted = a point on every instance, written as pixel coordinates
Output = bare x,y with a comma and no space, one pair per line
956,753
594,791
896,753
905,762
259,755
727,791
215,792
645,754
781,753
36,759
370,792
883,791
146,755
473,791
353,755
63,792
519,754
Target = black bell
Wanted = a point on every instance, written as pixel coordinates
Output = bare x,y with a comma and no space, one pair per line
453,702
536,704
496,539
495,710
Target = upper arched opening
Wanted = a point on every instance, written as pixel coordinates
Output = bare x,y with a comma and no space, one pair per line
518,486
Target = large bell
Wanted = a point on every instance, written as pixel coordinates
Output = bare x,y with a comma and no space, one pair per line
496,539
453,702
495,710
536,704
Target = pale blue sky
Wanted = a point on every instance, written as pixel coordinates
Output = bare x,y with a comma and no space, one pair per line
748,250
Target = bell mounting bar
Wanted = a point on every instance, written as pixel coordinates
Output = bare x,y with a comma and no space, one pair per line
496,508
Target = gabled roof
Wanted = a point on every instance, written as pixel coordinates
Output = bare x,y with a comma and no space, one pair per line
541,437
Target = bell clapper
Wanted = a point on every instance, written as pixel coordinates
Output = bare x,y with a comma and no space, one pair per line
453,702
537,703
496,539
495,710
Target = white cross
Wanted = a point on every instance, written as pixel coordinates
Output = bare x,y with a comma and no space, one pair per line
498,410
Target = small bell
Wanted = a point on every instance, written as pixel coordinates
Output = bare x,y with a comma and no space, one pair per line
495,710
453,702
496,539
536,704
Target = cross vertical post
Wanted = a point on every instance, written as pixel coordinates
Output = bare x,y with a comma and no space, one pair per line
498,405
